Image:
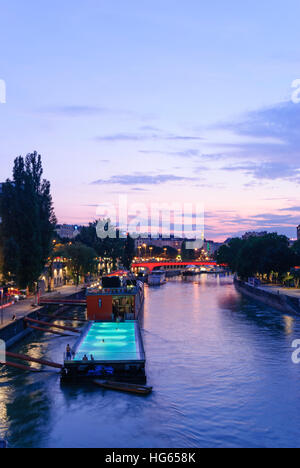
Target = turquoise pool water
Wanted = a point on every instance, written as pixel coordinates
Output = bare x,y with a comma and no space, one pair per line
110,342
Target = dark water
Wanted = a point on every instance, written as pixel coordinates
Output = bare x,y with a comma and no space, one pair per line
221,370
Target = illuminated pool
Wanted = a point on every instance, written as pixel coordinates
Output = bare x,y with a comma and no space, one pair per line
110,342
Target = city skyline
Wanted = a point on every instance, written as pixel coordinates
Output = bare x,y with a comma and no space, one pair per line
160,102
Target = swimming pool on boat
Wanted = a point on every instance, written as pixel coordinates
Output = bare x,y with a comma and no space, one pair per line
111,342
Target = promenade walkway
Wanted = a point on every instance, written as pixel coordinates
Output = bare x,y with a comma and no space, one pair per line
23,308
292,292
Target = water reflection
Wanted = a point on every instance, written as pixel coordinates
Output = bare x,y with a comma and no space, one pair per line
221,370
289,324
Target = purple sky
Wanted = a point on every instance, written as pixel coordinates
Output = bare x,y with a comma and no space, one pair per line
164,101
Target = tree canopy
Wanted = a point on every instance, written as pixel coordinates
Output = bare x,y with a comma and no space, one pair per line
265,255
28,221
81,259
115,247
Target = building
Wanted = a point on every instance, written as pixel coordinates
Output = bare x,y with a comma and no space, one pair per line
54,276
248,235
173,242
298,232
143,244
67,231
211,247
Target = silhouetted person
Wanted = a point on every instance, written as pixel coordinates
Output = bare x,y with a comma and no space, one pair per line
69,353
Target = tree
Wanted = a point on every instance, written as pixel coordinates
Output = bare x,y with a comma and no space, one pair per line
228,253
296,251
81,260
267,255
28,221
276,256
156,251
296,277
187,254
1,255
171,252
111,246
129,251
247,260
88,236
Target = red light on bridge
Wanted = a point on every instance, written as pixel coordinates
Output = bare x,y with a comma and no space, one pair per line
152,265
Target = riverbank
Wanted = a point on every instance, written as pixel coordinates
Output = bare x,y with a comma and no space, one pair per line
16,331
23,308
281,299
13,331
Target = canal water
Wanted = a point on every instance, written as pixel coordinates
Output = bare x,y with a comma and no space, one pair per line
221,369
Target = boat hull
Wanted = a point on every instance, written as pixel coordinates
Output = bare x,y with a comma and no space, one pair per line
156,282
157,279
124,387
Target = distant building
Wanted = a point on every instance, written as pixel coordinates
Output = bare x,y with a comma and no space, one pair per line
53,276
298,232
173,242
211,247
67,231
248,235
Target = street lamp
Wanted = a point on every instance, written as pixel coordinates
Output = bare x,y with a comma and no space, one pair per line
145,247
139,248
2,304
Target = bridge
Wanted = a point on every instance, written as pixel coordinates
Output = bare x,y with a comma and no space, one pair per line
169,265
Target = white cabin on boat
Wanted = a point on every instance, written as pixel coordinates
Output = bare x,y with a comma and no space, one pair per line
157,278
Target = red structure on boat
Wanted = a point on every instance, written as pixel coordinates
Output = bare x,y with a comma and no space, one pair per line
118,298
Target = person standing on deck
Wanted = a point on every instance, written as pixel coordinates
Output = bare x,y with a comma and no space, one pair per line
69,353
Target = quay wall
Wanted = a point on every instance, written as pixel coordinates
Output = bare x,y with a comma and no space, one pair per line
281,302
17,330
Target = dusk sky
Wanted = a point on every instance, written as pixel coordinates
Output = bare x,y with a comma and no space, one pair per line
162,100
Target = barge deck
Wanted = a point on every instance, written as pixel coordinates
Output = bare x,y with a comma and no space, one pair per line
110,351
